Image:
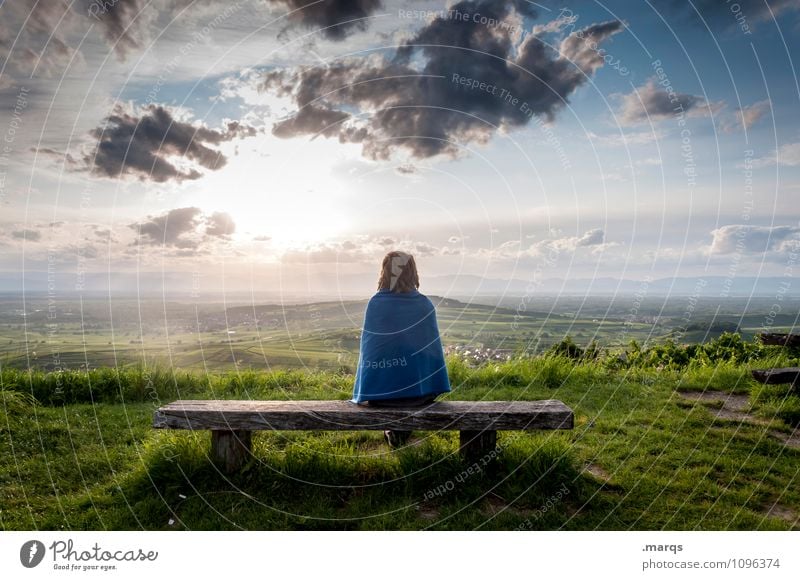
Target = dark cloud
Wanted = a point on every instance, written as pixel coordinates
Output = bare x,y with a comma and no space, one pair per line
28,235
220,224
428,97
122,22
105,234
652,103
185,231
141,146
311,120
171,229
45,26
126,24
336,19
425,249
37,36
33,37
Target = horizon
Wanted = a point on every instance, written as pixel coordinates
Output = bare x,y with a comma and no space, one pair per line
459,286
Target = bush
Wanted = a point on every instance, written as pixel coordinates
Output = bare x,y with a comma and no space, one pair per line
457,370
729,347
15,402
566,348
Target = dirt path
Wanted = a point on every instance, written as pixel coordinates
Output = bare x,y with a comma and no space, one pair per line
733,407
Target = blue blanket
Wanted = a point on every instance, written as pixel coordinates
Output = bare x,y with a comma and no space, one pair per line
401,351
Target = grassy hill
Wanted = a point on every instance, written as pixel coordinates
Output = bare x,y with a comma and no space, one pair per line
652,449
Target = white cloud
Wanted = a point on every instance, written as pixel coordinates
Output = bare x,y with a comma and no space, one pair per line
362,249
653,103
737,238
592,241
745,117
787,154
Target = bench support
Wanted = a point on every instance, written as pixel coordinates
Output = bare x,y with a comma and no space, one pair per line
477,445
230,449
232,422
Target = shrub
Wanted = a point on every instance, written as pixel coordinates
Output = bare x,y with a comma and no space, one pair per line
566,348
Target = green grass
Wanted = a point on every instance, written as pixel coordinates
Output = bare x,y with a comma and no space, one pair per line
89,459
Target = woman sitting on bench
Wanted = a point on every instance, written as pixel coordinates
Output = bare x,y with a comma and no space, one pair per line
401,362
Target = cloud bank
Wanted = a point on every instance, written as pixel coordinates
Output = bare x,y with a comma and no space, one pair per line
749,239
144,146
456,82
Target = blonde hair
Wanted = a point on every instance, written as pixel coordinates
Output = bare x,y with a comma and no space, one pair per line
398,273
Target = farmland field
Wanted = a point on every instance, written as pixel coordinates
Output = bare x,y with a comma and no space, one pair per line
325,335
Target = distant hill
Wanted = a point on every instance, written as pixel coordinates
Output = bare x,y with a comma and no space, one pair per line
179,285
343,313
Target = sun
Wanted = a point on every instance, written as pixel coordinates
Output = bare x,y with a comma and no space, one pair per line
290,227
293,202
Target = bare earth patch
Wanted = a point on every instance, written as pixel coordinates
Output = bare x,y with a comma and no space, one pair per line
729,415
784,513
789,439
494,504
733,406
427,512
598,472
733,409
729,400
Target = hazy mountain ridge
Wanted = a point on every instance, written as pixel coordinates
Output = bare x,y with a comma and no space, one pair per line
352,286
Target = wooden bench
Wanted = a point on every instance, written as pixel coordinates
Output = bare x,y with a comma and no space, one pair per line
232,422
779,376
779,339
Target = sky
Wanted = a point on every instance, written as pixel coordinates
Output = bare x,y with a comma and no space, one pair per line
289,144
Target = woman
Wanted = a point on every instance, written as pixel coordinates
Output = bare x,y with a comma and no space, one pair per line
401,362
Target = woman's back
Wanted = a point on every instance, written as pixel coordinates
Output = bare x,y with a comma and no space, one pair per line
401,352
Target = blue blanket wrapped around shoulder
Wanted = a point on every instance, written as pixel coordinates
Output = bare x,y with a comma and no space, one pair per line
401,351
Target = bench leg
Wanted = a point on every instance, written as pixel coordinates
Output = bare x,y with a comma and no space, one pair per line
230,449
477,445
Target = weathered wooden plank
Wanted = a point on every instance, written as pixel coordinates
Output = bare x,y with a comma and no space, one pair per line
231,449
779,339
777,376
347,416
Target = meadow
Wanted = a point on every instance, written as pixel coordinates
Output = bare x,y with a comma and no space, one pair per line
656,445
216,336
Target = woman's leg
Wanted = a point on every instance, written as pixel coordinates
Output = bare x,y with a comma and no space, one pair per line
395,437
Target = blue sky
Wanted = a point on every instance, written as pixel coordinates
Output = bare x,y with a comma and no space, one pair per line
268,138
